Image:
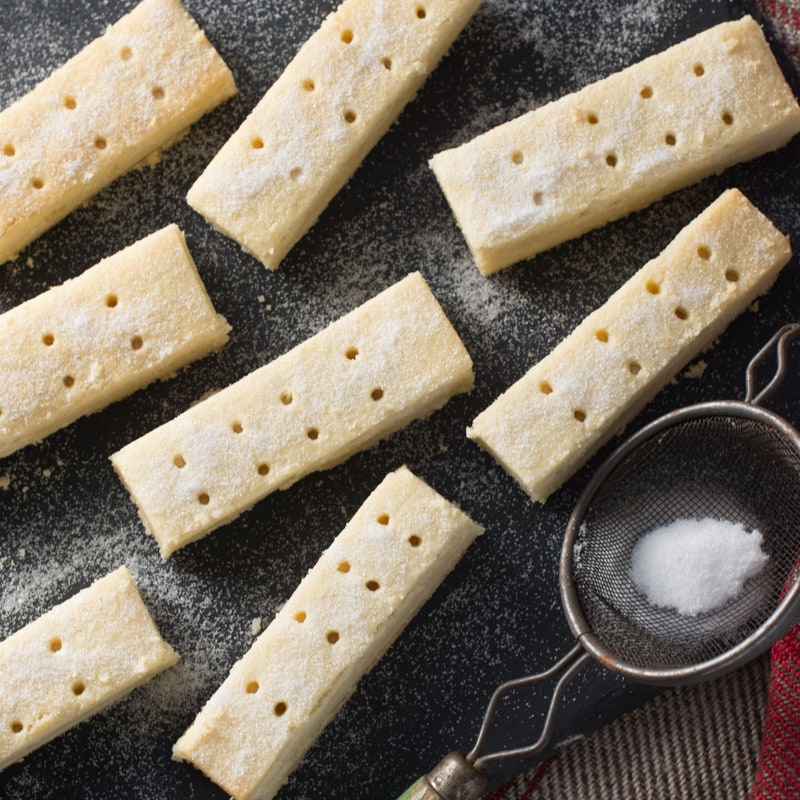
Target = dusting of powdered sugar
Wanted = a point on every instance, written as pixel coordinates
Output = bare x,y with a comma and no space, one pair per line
65,518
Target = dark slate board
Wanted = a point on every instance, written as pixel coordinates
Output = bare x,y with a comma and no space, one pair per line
65,519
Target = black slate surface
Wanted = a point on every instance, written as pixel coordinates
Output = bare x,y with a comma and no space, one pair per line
65,519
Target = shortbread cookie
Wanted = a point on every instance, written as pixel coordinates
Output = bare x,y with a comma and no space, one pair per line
394,359
548,423
75,660
125,95
315,125
618,145
136,316
338,623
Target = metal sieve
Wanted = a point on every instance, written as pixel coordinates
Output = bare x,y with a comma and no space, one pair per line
731,460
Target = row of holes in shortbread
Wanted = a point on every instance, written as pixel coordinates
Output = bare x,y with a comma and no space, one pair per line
49,340
331,636
612,158
309,85
70,103
78,687
286,398
602,335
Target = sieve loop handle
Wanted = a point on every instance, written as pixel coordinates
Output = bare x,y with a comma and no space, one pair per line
462,777
779,343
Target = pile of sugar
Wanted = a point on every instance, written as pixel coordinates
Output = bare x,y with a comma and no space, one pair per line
696,565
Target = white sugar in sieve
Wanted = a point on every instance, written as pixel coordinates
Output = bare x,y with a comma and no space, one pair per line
731,460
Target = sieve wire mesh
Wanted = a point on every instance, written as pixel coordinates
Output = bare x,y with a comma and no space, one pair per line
723,466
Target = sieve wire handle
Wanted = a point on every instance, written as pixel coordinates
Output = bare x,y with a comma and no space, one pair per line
779,343
460,777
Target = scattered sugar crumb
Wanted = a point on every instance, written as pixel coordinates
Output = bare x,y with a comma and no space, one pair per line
21,553
47,472
754,306
255,626
262,299
696,565
5,482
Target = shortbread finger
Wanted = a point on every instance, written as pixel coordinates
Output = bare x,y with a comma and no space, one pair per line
548,423
312,129
74,661
618,144
125,95
341,619
394,359
135,317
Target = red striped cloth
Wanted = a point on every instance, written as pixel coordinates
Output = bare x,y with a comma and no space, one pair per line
778,770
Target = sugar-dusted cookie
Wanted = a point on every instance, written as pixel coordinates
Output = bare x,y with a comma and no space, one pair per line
74,661
340,620
125,95
394,359
618,144
134,317
318,121
549,422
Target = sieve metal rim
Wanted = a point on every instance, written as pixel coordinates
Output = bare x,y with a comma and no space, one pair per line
770,631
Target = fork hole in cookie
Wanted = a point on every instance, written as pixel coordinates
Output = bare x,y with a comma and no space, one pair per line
351,354
592,118
646,92
376,394
373,586
387,63
545,387
414,540
731,275
579,415
313,434
670,140
634,367
136,343
257,143
383,519
681,313
704,252
538,198
727,117
280,708
286,398
70,102
300,616
296,173
126,54
203,498
54,645
16,726
48,340
111,301
421,12
611,160
37,183
347,36
252,687
236,427
78,688
308,85
601,335
9,150
699,70
100,143
263,468
349,116
344,566
179,461
517,157
652,287
158,93
68,381
332,637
